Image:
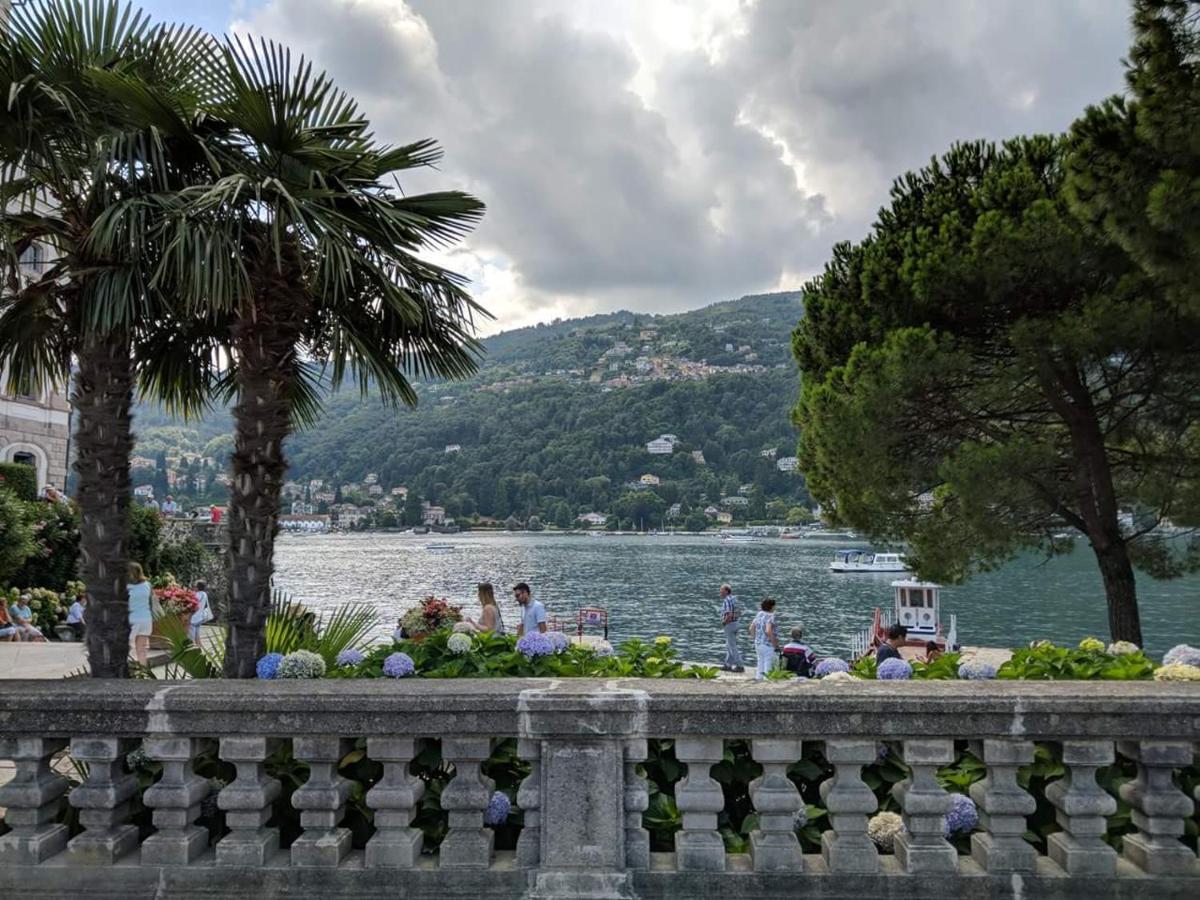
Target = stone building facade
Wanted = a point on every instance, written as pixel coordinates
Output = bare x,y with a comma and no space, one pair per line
35,430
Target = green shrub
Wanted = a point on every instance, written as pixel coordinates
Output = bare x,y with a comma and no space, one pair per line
1047,662
16,537
55,557
20,479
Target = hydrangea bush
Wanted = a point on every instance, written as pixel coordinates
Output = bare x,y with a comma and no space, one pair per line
882,829
830,665
1182,654
559,639
350,657
268,666
894,670
1177,672
963,816
301,664
977,670
497,811
535,644
398,665
459,643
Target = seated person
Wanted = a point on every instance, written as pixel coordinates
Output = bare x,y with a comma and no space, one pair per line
22,617
8,631
932,651
797,657
890,648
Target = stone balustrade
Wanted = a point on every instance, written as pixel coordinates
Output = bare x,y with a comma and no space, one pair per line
71,802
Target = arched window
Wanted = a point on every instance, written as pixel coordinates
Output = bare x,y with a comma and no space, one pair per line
25,459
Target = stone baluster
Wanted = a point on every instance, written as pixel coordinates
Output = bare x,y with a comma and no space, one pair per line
1082,809
1003,806
529,798
637,801
774,846
846,847
322,803
468,845
1159,808
32,800
175,799
698,847
247,803
922,846
395,844
103,801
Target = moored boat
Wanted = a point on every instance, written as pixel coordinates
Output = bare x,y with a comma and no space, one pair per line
917,606
868,561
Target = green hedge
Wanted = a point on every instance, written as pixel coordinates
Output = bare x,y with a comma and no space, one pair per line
20,479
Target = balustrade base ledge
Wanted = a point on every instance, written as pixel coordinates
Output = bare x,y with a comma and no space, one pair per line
127,880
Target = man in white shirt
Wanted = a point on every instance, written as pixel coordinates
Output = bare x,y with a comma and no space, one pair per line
75,616
533,613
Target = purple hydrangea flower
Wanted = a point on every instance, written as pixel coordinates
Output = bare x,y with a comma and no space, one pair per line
497,810
893,670
398,665
350,657
977,670
1182,655
535,644
268,666
830,665
963,817
559,639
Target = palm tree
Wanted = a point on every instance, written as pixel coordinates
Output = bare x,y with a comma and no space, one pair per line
302,252
74,144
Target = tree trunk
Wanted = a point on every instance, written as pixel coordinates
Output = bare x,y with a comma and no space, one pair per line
265,338
103,442
1120,589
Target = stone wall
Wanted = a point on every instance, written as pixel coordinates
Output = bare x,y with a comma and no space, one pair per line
584,798
28,428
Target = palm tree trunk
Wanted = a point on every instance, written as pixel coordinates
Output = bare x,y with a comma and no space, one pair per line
102,397
265,340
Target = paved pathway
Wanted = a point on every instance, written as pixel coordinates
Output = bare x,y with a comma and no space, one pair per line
53,659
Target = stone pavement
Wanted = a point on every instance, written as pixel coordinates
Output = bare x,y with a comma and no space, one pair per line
53,659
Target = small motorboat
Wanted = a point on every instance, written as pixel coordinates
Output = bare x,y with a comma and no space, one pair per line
918,608
440,548
736,537
868,561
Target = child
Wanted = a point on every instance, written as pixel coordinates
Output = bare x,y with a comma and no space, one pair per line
797,657
766,640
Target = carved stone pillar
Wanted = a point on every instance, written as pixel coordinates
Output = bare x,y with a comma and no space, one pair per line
103,802
247,803
922,846
1003,807
1159,808
698,847
529,798
468,845
846,848
637,801
774,846
1082,810
175,800
32,801
395,844
322,803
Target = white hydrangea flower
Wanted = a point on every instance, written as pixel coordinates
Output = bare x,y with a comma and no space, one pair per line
883,828
1122,648
836,677
463,628
459,643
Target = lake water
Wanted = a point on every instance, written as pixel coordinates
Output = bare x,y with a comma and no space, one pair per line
668,585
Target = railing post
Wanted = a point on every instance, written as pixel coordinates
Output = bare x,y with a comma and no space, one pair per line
468,845
1159,808
922,846
103,801
1003,807
395,844
529,798
175,800
774,846
637,801
247,803
1082,810
846,848
33,799
698,847
322,803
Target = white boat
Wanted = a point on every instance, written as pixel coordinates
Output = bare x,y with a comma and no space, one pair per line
823,534
918,608
440,548
728,538
868,561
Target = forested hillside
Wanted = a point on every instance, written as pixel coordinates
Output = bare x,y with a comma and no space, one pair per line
555,425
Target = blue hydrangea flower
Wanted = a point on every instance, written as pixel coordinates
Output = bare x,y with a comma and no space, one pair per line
398,665
963,817
893,670
268,666
1182,655
497,810
800,818
350,657
535,644
830,665
559,639
301,664
977,670
603,648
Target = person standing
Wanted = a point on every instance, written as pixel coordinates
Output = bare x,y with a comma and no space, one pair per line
533,613
203,613
75,616
141,614
766,639
729,621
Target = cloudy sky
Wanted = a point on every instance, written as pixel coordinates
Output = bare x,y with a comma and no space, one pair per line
658,155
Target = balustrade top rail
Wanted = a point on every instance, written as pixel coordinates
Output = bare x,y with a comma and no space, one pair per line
647,708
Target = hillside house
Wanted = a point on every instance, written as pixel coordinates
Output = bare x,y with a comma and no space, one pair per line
724,518
371,478
663,445
592,518
675,510
375,490
787,464
711,511
769,453
650,480
400,491
454,448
